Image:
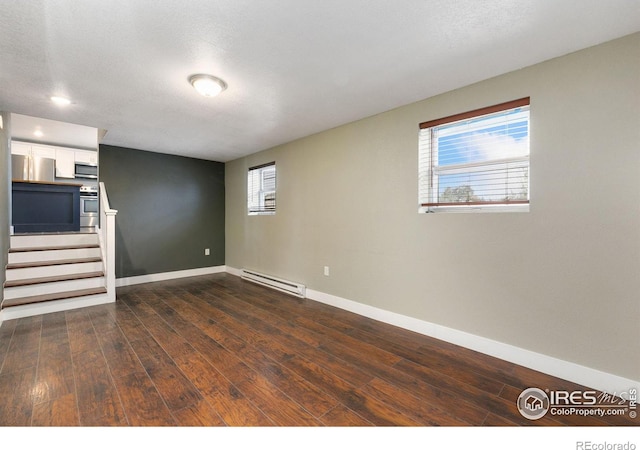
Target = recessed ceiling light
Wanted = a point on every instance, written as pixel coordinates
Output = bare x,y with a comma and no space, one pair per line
207,85
60,101
38,133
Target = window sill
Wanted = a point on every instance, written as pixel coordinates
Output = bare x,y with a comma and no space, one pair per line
475,209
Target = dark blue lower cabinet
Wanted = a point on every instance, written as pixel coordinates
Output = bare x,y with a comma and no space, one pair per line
44,207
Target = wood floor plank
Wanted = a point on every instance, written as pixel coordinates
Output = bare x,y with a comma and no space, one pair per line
202,414
24,346
281,346
410,405
55,373
285,323
15,392
216,350
341,416
6,333
232,406
59,412
370,409
306,394
98,400
176,390
273,402
128,321
255,386
142,403
494,420
82,335
118,353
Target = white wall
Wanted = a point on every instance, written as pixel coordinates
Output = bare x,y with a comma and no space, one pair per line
562,280
5,194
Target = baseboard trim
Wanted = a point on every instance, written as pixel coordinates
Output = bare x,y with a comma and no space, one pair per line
152,277
576,373
34,309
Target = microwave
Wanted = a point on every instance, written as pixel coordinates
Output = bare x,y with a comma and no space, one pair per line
86,170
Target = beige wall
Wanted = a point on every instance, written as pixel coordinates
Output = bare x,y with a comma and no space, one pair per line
562,280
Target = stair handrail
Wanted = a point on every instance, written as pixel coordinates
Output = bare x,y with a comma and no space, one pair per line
107,232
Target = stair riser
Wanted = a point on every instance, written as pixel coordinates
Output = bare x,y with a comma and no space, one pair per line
50,271
54,287
52,240
53,255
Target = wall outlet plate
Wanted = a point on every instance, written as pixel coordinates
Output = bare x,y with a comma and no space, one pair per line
207,252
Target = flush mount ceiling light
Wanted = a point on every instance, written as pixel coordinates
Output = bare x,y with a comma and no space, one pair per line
207,85
60,101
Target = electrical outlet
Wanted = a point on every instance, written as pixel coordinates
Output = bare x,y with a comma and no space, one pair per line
326,271
206,252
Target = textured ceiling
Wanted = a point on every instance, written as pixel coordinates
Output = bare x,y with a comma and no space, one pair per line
294,67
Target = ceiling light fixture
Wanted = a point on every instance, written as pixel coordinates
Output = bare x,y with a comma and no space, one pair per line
60,101
38,133
207,85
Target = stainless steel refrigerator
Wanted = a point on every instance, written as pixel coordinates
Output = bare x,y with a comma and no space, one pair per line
29,168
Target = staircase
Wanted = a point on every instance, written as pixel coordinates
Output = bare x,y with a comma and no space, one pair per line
49,272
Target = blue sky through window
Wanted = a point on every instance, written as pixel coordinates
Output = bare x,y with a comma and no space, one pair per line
498,137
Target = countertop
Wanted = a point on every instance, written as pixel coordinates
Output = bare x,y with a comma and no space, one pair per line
53,183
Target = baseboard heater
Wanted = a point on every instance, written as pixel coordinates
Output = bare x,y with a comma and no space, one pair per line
288,287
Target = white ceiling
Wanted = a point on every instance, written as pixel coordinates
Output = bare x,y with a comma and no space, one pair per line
23,128
294,67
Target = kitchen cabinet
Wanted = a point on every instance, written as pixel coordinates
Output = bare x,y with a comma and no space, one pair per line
33,150
20,148
65,157
43,151
65,162
45,207
86,157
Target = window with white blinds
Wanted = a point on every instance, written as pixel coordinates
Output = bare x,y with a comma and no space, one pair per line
261,189
476,161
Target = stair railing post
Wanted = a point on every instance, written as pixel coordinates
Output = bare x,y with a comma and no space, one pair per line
108,241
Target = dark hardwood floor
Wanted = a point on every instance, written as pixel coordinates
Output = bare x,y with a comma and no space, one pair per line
217,350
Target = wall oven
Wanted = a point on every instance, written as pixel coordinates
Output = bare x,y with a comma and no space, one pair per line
89,206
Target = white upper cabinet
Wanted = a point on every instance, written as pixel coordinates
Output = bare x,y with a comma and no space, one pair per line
43,151
66,158
33,150
86,157
20,148
65,162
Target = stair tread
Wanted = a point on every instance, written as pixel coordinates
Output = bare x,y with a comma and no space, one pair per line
55,296
53,247
42,280
56,262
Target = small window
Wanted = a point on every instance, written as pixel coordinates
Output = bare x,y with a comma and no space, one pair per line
261,189
476,161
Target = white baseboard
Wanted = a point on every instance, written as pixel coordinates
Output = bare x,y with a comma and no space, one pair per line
150,278
34,309
576,373
234,271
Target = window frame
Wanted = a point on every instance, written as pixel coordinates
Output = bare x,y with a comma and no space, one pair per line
427,170
262,208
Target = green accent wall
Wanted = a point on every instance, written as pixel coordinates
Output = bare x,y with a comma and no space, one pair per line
170,208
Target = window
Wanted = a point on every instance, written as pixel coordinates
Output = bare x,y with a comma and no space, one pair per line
261,189
476,161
